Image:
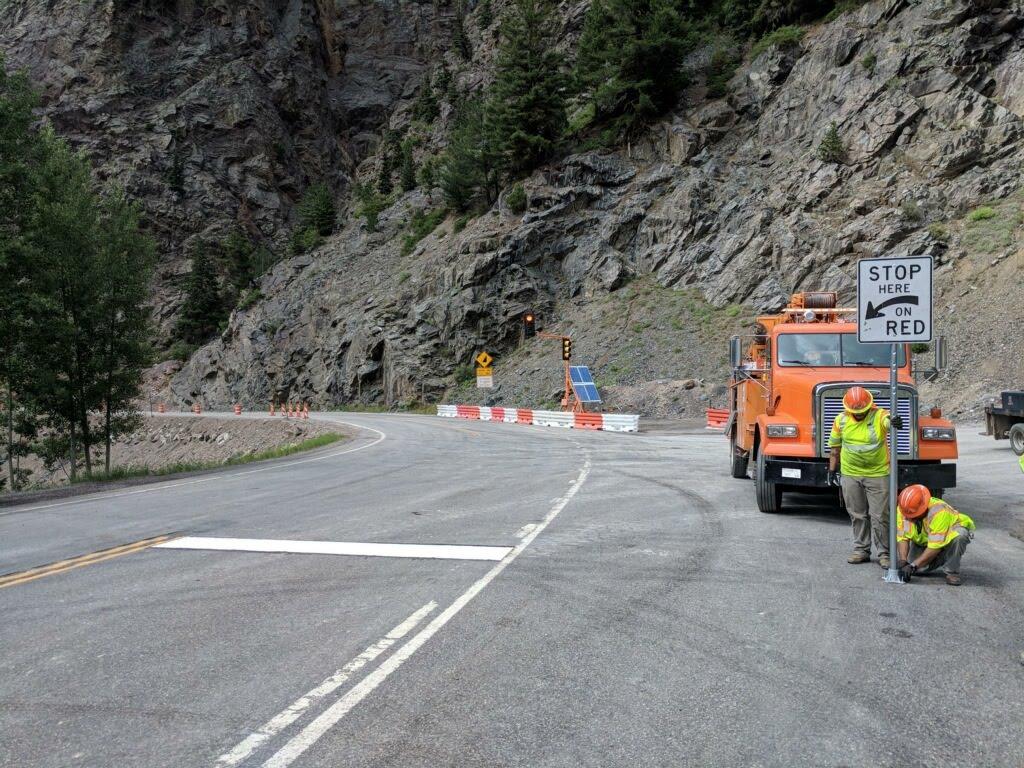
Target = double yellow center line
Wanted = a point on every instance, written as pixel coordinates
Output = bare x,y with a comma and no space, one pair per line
63,566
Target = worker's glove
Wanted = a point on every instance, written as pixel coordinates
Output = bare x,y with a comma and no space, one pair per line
835,479
897,422
907,571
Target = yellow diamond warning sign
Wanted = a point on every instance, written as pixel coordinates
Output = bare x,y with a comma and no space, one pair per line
484,360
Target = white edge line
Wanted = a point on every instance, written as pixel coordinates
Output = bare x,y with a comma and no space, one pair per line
289,715
309,735
353,548
219,476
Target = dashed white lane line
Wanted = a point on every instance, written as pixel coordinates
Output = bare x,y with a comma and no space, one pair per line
356,548
286,717
211,478
309,735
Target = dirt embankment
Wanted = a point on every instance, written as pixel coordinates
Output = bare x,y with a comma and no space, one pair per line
162,443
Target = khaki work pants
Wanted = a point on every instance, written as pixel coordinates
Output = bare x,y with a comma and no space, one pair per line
867,501
948,559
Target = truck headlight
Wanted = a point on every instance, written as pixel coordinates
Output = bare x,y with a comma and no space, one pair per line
938,433
782,430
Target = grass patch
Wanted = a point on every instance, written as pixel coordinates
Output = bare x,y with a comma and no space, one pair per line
783,37
721,69
939,232
911,210
993,228
869,62
843,7
126,473
403,276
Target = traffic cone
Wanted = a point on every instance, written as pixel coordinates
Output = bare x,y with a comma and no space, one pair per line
238,409
160,408
305,411
196,408
272,412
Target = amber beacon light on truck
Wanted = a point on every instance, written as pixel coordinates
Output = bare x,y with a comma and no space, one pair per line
786,390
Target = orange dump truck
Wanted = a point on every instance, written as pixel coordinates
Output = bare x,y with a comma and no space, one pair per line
787,387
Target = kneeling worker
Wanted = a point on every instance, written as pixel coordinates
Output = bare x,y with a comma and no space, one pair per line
930,534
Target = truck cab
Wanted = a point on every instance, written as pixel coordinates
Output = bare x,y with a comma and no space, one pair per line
787,388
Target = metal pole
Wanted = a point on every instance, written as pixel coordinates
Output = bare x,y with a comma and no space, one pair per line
893,574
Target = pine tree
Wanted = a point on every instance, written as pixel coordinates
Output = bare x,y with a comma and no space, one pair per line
528,95
316,210
460,41
630,57
471,166
407,167
486,14
832,149
203,307
426,107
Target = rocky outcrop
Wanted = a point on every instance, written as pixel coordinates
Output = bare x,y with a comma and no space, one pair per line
728,198
217,114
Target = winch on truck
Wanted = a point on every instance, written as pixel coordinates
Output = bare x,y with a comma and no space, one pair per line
787,387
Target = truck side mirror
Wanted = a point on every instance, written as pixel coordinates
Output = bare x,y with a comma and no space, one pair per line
735,352
940,359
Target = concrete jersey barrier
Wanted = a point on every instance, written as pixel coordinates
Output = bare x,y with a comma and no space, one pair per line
608,422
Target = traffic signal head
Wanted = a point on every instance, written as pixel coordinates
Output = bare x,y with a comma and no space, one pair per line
529,324
566,349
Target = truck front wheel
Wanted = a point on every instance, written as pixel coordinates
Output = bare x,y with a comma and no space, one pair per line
1017,439
769,494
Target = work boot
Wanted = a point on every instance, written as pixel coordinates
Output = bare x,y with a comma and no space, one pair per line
858,557
953,579
883,560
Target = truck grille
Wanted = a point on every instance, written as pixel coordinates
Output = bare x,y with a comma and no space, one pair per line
832,406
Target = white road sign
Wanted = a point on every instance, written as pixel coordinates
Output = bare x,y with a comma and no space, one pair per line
484,382
894,300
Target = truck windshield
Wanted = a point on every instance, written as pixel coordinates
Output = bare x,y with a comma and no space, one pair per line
833,350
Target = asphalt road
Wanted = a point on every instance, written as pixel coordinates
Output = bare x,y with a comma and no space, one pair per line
645,615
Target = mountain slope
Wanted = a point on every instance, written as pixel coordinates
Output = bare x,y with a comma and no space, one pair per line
727,199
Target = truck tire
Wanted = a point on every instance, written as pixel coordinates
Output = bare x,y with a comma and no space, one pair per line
769,495
737,463
1017,439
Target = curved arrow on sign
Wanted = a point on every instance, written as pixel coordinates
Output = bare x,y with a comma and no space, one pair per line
873,311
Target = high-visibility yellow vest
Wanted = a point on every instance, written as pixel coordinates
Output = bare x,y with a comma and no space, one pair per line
864,452
936,529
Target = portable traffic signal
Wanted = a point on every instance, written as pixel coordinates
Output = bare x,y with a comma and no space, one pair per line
566,348
529,325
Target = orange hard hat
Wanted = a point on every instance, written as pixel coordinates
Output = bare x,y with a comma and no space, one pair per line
914,501
857,400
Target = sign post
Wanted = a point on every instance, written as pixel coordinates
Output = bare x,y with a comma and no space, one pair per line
894,307
484,373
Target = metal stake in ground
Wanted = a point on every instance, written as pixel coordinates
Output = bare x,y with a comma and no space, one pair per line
893,573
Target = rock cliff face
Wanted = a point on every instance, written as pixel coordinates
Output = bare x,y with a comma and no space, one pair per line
727,198
649,255
218,113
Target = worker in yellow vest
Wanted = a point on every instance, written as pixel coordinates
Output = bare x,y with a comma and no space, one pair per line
930,534
859,464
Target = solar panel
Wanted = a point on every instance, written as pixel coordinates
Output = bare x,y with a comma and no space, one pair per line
583,384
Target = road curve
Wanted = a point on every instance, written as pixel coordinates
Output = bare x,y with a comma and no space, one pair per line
639,611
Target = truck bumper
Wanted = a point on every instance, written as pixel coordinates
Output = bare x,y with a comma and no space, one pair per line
813,473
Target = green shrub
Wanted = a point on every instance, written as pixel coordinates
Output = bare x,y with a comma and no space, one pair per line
981,214
422,224
911,210
721,69
370,205
842,7
249,298
517,199
403,276
462,221
920,348
869,62
832,149
938,232
180,350
783,37
304,240
993,228
465,374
